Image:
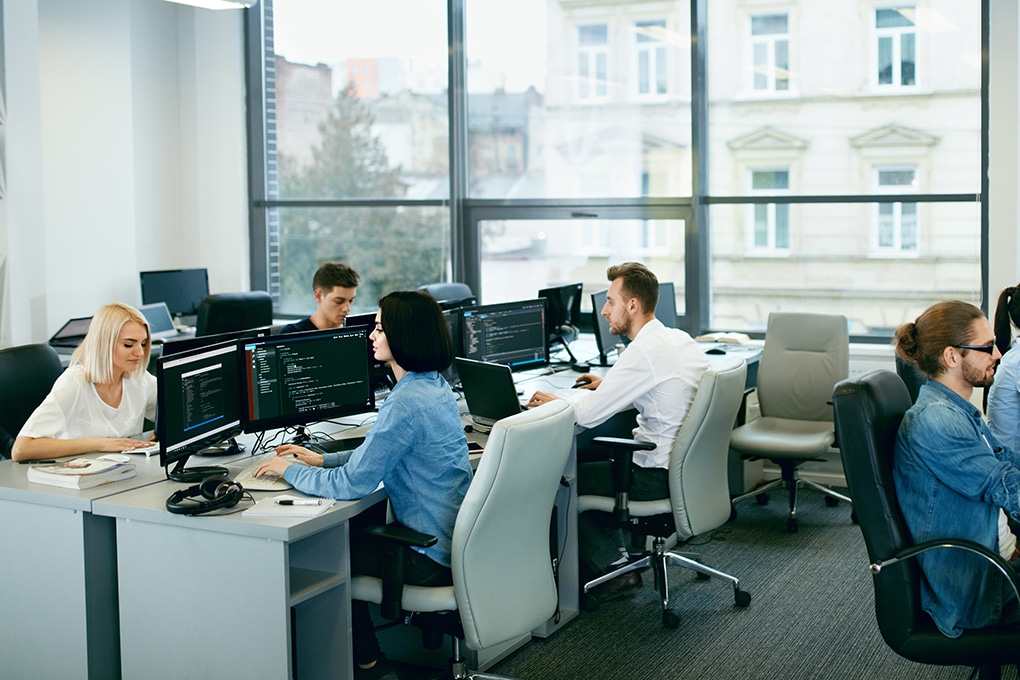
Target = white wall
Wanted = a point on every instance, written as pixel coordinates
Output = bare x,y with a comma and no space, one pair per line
125,152
1004,158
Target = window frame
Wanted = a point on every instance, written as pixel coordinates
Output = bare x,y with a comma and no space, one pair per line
770,42
895,35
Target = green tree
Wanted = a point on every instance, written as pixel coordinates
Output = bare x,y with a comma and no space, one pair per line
392,248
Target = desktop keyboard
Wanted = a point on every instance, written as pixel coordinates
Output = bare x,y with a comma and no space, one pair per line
269,483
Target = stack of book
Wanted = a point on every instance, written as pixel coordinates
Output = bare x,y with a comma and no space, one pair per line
81,473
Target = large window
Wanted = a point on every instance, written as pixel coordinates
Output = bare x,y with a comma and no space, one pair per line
817,156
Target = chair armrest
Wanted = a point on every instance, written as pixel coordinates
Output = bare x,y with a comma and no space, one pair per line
396,539
742,411
995,558
622,460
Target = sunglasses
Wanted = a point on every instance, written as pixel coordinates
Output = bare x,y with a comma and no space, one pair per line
987,349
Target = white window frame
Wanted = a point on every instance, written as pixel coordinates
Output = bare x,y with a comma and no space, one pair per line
590,87
656,53
900,215
771,212
895,35
769,43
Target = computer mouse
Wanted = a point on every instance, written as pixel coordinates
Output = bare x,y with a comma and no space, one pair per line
715,350
116,457
581,383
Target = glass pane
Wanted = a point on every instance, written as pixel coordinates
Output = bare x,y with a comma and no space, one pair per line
907,59
782,65
772,24
587,125
390,248
782,226
834,119
761,66
894,18
831,266
360,113
761,226
546,253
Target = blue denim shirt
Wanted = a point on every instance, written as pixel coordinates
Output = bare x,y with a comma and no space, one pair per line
952,476
1004,399
417,449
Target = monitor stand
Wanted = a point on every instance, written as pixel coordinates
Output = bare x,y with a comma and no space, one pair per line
579,366
194,475
227,447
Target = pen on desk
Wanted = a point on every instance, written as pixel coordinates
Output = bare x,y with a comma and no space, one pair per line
37,462
310,501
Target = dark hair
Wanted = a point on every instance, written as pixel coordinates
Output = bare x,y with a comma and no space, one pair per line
638,282
333,274
1007,315
416,331
944,324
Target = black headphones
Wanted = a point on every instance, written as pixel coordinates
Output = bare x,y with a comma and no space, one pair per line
215,493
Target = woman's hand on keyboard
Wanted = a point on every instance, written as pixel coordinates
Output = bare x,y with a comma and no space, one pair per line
273,467
301,453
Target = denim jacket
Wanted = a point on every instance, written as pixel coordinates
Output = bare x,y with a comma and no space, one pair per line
417,449
951,477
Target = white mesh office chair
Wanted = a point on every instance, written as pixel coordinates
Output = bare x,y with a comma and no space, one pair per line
805,355
699,499
503,581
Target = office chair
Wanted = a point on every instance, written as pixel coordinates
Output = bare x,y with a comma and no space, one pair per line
804,356
868,414
226,312
699,498
26,375
449,295
911,376
503,581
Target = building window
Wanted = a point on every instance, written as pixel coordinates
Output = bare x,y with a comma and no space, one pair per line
770,50
896,36
896,223
592,61
770,222
650,58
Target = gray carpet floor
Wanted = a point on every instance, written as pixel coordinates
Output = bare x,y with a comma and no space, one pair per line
811,615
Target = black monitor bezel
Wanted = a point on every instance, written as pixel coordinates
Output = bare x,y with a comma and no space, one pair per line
505,306
280,422
179,457
187,344
148,300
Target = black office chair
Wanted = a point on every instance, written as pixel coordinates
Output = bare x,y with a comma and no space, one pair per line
26,375
911,376
450,295
226,312
699,498
868,414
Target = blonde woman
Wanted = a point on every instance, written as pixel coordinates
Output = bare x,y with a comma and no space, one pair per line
103,396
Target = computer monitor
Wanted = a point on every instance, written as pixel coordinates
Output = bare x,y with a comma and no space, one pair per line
452,317
563,314
665,310
302,378
181,289
198,405
511,333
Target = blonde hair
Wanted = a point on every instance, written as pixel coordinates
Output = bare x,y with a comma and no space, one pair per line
95,353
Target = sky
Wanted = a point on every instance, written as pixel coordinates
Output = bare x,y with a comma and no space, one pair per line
330,31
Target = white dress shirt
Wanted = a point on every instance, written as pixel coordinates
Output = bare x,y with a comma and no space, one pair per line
658,374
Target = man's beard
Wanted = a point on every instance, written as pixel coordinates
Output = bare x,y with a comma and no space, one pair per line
976,377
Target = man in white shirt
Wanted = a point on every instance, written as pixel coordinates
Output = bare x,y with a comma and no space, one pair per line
657,375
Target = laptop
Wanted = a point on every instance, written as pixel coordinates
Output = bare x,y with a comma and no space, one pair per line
489,390
161,324
71,334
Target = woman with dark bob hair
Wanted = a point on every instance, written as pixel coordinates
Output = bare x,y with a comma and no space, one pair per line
416,448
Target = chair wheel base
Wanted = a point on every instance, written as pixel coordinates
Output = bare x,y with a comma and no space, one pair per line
670,619
742,598
831,501
701,577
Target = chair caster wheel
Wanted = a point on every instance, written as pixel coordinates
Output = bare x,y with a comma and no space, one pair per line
701,577
791,525
831,502
589,602
742,598
853,517
762,499
670,619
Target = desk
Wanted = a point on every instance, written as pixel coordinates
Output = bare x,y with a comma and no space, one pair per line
58,562
231,596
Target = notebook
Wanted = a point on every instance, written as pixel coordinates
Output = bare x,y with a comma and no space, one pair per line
71,333
161,324
489,390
